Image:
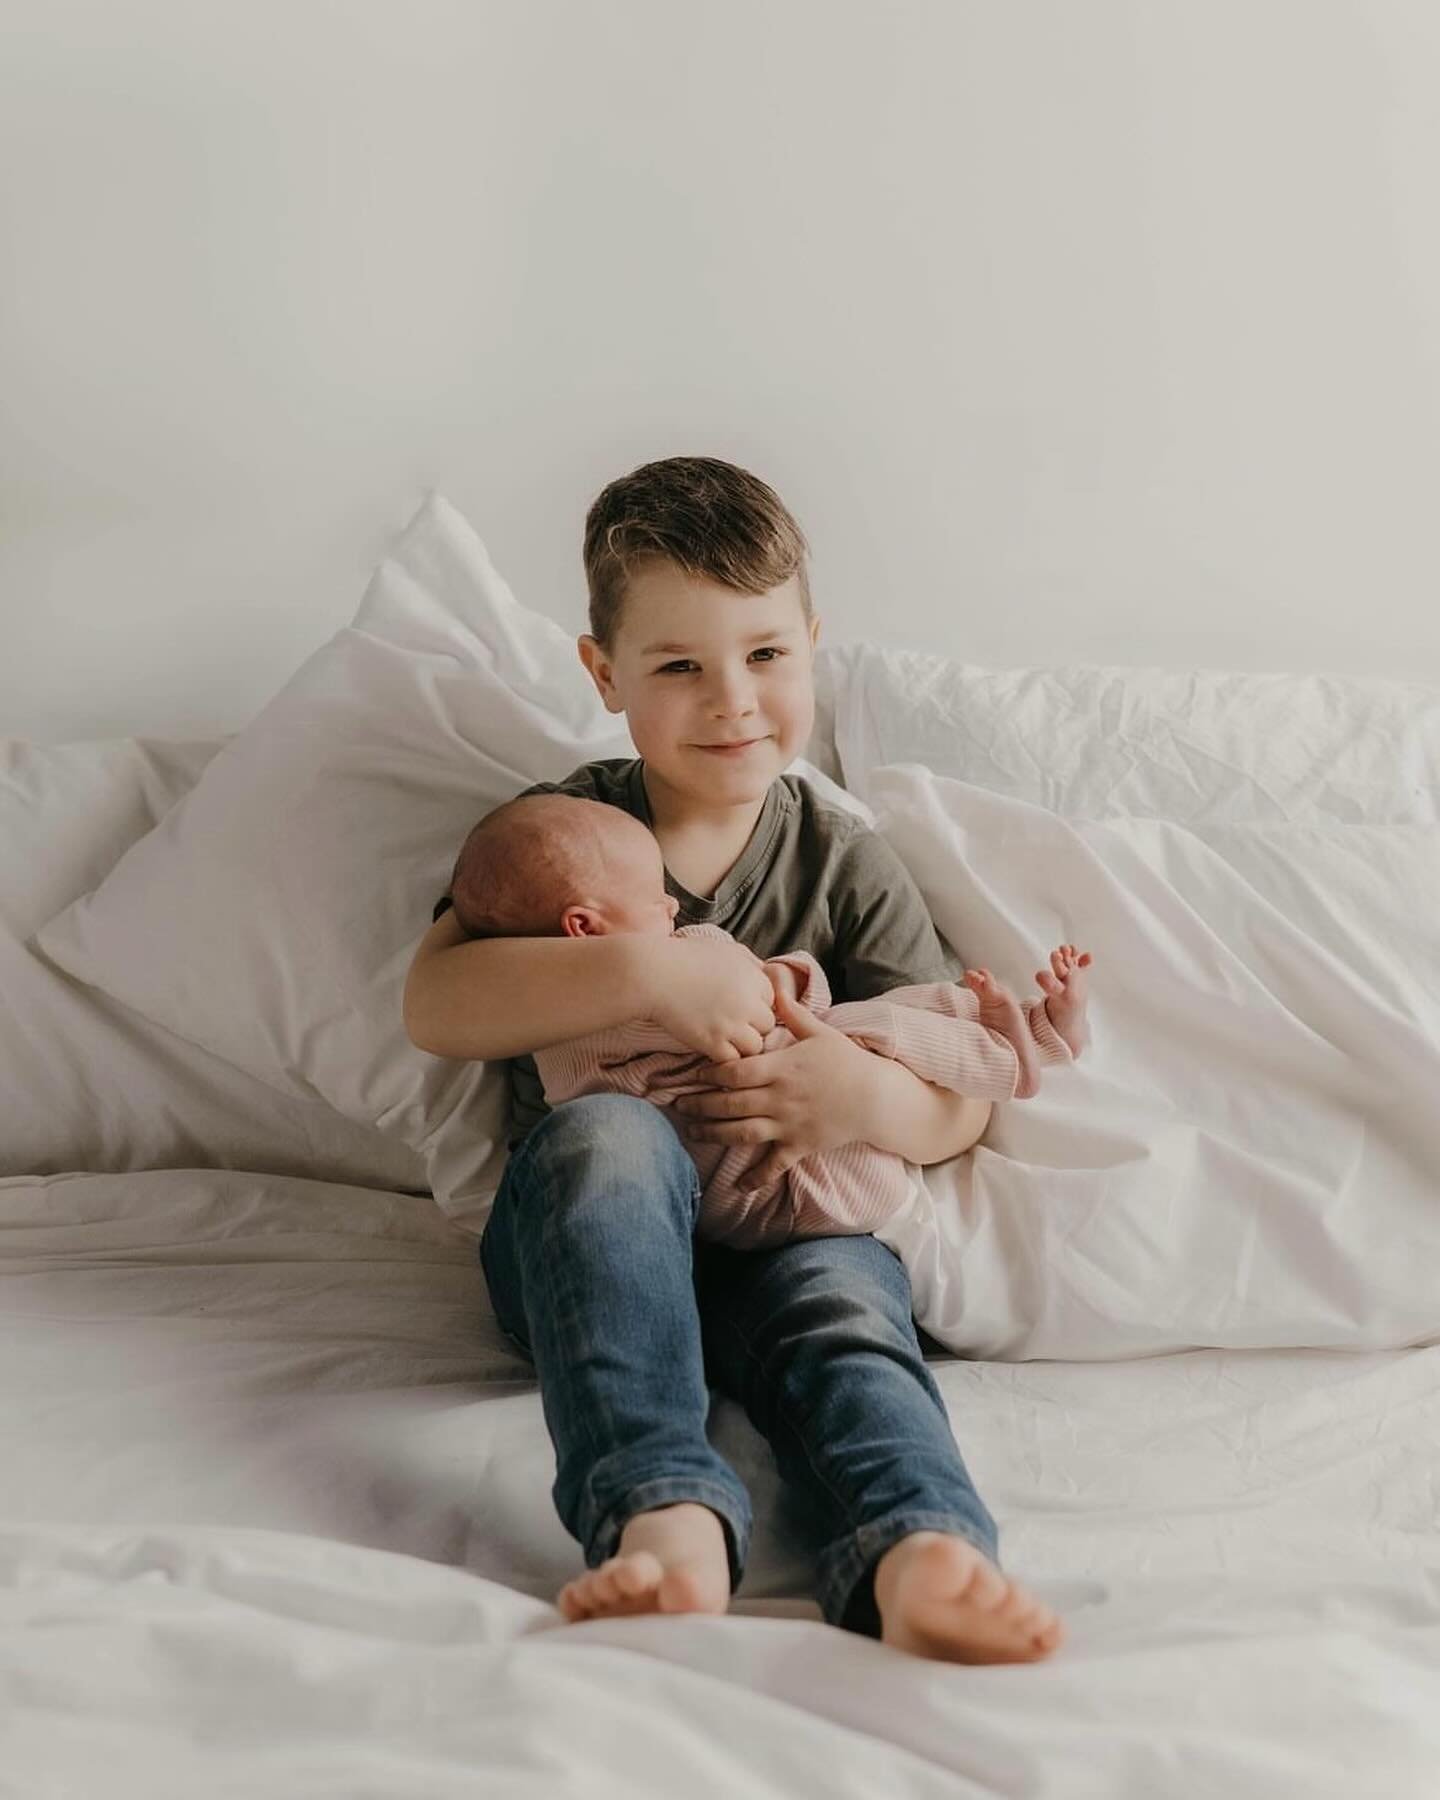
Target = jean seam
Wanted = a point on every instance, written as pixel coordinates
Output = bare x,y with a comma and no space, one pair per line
842,1505
515,1338
549,1274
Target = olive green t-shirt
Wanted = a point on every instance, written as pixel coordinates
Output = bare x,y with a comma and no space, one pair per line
812,876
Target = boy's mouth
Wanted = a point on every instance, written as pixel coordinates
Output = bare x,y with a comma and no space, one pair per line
730,749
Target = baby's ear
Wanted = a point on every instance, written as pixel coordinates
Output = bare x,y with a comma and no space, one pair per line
581,921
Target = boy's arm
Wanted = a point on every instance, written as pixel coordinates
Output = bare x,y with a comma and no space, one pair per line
501,997
488,998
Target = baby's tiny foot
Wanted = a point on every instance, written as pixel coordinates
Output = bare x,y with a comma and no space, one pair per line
1001,1011
1067,994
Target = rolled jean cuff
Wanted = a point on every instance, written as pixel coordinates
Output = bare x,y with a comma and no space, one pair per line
844,1589
672,1490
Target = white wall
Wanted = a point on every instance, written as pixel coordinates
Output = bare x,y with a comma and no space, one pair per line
1077,330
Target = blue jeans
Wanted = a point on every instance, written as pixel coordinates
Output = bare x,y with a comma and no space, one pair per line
594,1271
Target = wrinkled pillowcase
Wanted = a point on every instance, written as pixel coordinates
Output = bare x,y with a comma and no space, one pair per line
1195,746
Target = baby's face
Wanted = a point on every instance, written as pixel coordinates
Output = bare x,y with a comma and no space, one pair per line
636,900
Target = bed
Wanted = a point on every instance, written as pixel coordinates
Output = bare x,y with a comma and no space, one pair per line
275,1513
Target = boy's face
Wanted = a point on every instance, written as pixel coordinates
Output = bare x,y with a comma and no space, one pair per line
696,665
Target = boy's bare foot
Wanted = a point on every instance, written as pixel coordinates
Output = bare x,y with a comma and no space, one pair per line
1001,1011
1067,992
939,1596
671,1560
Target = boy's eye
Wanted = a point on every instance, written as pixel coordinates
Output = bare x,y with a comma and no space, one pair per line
766,650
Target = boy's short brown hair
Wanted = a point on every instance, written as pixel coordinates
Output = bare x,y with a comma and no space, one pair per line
708,517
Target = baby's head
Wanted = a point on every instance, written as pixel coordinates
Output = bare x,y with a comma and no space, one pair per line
553,865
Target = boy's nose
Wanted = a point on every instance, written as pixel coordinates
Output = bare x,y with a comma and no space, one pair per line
735,696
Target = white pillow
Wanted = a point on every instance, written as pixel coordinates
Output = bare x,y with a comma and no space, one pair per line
272,915
1246,1156
87,1084
1097,742
68,812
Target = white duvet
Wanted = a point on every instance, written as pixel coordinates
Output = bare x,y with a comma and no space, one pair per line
276,1520
274,1497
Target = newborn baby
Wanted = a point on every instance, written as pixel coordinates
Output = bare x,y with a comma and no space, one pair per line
529,862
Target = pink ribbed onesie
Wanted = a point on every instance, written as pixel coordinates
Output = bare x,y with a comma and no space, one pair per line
932,1028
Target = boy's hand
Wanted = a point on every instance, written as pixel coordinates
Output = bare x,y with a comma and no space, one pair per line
810,1096
783,979
712,994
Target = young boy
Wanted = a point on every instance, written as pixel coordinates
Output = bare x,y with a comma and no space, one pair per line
702,633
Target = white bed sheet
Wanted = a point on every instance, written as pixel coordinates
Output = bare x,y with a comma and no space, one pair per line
275,1518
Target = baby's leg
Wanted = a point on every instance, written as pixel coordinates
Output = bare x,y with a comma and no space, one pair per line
1067,988
1001,1011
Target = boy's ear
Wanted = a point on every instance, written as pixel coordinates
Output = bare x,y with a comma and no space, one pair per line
599,671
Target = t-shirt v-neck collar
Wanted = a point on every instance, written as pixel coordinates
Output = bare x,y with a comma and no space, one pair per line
697,910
